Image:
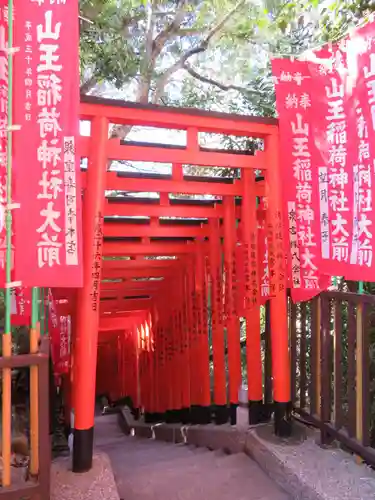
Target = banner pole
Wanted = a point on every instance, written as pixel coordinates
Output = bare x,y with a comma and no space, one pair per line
7,336
42,311
360,369
46,314
34,410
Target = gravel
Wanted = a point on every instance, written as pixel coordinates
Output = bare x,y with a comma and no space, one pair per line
309,472
97,484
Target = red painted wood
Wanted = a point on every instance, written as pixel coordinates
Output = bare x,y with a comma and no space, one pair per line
156,249
216,282
126,305
159,346
232,320
139,210
172,186
128,285
117,151
173,119
140,264
114,230
87,316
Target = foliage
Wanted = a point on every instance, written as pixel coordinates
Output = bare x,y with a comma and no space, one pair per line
212,54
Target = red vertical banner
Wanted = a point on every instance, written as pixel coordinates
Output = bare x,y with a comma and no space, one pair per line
60,332
47,167
332,123
342,116
361,86
300,185
21,306
3,132
64,346
346,175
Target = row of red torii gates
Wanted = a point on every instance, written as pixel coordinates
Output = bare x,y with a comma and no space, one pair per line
152,312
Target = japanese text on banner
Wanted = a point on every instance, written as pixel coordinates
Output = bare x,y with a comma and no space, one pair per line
360,48
46,107
300,179
345,172
59,330
331,124
21,306
264,272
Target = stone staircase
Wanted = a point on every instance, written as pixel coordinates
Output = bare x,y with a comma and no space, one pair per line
146,469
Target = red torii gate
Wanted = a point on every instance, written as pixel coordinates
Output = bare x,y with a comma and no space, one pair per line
165,322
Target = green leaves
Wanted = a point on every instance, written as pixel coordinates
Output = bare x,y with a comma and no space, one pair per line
116,38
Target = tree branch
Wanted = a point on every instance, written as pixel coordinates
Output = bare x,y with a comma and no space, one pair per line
87,85
149,32
172,28
147,66
120,132
222,86
190,31
221,23
90,19
162,81
202,47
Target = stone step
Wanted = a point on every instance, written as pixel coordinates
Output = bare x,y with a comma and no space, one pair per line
152,458
196,449
242,478
141,444
169,460
146,469
224,478
162,482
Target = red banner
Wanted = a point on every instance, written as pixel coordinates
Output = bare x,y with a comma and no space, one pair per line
21,306
3,131
334,121
47,183
346,175
340,82
361,90
300,178
59,329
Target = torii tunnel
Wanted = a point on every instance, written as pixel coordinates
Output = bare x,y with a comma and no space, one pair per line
167,281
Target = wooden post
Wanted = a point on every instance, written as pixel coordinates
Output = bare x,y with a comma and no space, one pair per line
232,321
220,397
6,423
185,356
279,312
86,338
34,409
359,376
257,413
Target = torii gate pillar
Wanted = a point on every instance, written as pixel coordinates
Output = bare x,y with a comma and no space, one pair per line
86,338
279,309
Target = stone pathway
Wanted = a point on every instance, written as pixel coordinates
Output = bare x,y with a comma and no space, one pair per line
153,470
